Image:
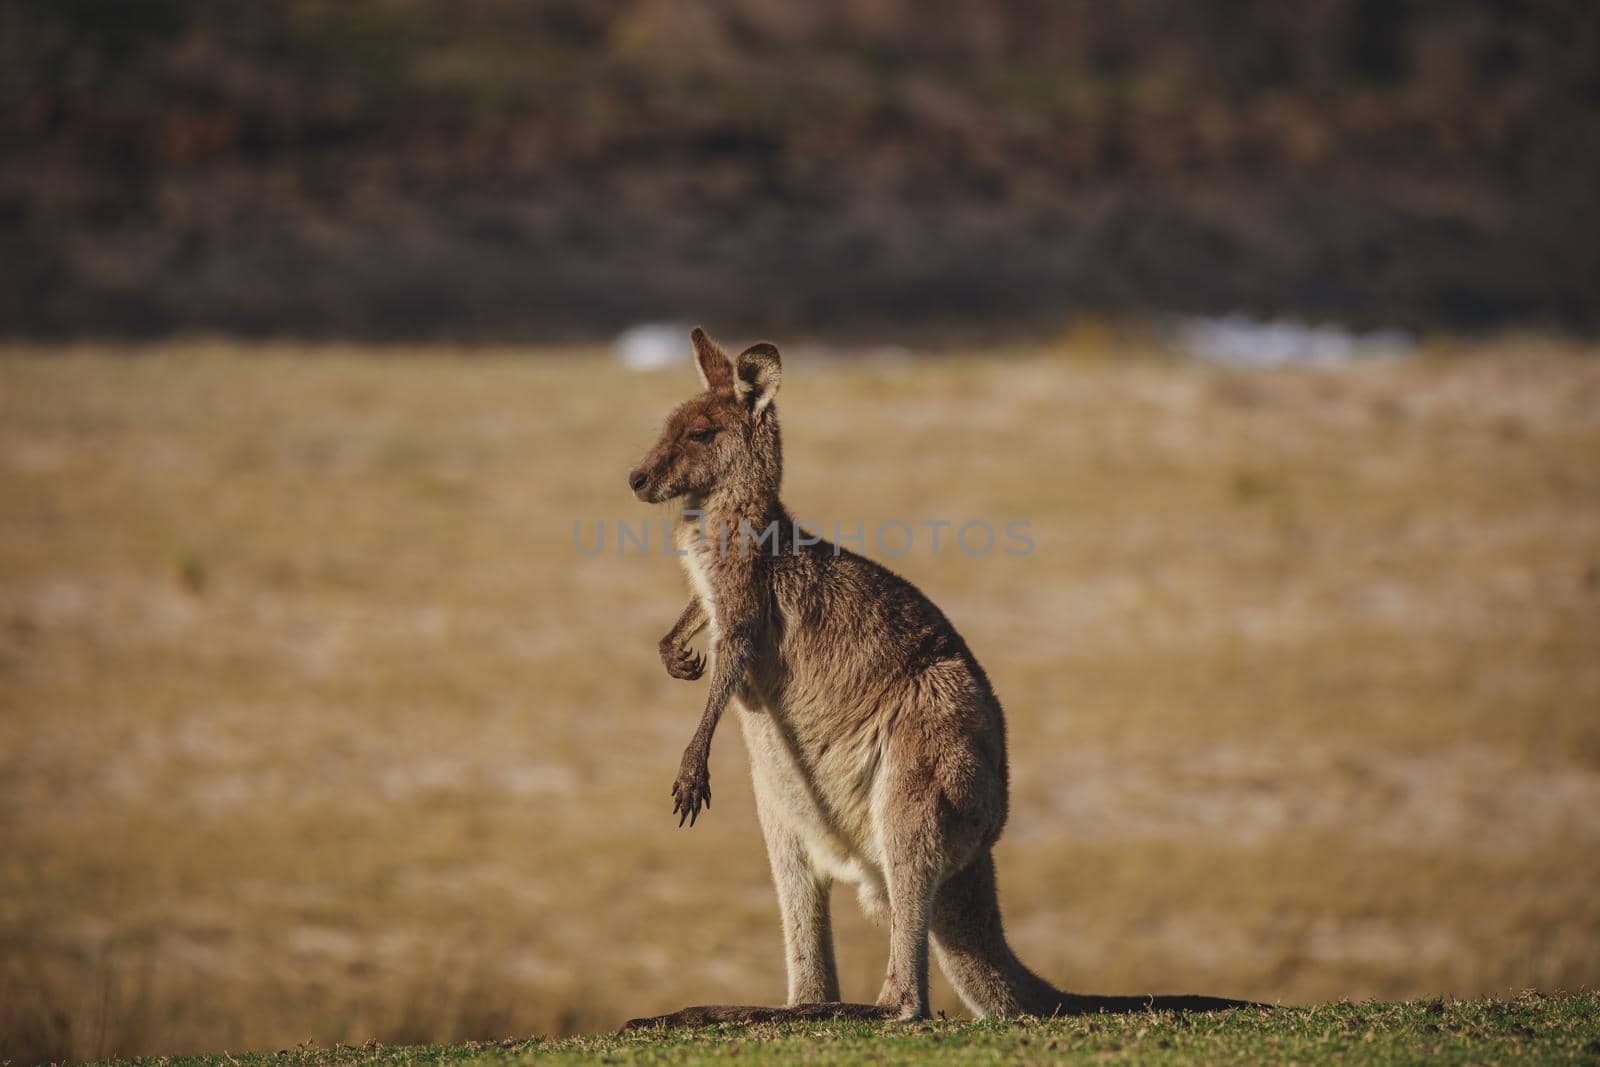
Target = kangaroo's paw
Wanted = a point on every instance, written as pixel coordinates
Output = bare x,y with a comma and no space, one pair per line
682,662
712,1014
692,790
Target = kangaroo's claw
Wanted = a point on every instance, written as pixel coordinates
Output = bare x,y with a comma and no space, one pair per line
691,792
682,662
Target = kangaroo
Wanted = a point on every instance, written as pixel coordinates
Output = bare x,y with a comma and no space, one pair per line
877,746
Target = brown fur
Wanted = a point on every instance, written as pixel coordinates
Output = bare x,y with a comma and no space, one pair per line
877,745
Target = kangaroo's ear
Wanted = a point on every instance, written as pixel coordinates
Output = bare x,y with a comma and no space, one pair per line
712,362
759,371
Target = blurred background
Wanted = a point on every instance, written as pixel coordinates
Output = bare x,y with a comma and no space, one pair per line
500,169
324,323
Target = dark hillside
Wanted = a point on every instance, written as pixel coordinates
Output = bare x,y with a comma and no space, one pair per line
526,169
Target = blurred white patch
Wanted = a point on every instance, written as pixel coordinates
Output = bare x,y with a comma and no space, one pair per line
653,345
1240,341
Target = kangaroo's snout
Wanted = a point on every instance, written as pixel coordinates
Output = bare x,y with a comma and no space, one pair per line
637,480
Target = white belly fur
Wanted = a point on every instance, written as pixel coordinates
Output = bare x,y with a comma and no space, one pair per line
696,563
840,838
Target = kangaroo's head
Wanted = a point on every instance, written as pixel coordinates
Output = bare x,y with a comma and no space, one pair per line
723,441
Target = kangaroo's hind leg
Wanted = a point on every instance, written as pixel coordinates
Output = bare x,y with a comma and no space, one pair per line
905,986
913,855
803,901
807,922
808,945
807,942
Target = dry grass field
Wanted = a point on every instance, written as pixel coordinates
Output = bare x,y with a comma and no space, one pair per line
315,724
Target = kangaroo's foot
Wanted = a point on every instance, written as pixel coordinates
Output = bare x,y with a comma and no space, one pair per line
898,1001
711,1014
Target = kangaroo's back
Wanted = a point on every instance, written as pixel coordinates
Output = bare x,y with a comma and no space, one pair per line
847,622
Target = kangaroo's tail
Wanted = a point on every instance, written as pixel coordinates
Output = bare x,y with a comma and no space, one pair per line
973,952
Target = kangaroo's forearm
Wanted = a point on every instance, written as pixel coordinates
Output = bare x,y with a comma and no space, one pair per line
691,621
731,657
732,653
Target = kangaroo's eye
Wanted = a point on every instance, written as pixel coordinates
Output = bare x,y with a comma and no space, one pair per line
705,435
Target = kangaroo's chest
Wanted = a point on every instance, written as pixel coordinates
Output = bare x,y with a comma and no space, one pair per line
814,771
697,558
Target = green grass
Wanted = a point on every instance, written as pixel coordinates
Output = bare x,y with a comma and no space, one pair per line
1531,1028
